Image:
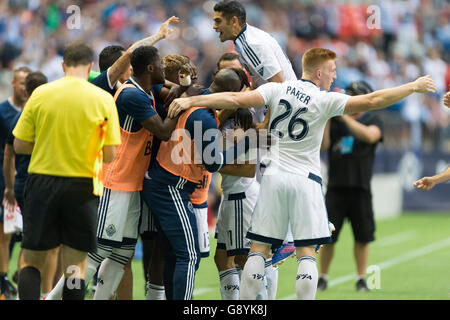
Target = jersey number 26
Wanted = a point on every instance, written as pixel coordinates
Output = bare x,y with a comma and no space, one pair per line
293,121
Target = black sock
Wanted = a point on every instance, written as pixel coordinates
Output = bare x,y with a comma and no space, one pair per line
30,284
73,289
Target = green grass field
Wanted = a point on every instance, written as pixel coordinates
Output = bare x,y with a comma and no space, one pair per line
412,253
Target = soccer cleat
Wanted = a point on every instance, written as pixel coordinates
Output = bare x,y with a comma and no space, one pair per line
322,284
361,285
7,289
286,250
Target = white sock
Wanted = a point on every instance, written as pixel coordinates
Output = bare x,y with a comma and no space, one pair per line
109,276
56,293
252,281
155,292
229,284
307,277
271,273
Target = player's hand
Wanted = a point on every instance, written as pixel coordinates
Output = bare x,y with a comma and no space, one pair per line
424,84
177,106
447,99
9,201
164,30
426,183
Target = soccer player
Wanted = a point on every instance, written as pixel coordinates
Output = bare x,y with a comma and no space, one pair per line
266,62
291,191
8,111
174,177
428,183
351,142
60,204
15,168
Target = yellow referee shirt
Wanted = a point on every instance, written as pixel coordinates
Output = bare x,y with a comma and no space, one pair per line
63,119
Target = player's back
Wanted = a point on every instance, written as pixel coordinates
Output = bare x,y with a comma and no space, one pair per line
299,111
262,55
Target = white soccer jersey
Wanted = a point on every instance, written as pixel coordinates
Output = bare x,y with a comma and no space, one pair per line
299,111
262,56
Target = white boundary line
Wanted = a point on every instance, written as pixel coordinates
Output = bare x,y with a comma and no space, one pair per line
435,246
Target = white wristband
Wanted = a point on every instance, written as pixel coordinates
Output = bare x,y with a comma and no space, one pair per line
185,81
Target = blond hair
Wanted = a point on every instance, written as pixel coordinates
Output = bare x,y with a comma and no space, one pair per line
314,58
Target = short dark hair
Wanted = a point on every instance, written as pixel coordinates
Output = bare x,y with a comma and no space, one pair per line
142,57
228,56
230,9
78,53
108,56
34,80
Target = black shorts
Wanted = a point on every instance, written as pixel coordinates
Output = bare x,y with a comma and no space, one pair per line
356,206
59,210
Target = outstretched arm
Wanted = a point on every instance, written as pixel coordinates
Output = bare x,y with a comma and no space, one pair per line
224,100
386,97
427,183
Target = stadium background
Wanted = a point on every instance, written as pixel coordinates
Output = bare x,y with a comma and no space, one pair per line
413,39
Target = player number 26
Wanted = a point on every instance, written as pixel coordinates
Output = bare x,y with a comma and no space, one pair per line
293,121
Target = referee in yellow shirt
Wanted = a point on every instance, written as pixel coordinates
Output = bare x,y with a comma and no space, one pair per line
61,127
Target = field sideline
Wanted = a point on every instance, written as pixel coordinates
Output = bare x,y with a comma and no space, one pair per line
412,253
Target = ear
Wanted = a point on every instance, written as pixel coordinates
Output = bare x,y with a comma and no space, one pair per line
318,73
150,68
63,66
234,20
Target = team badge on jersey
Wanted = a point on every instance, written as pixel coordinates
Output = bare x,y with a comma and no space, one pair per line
190,207
110,230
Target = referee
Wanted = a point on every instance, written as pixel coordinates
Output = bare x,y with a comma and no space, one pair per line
351,145
62,127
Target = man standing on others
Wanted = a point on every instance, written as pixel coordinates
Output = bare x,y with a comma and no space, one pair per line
291,192
67,135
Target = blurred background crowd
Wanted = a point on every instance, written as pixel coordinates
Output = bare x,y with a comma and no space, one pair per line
383,42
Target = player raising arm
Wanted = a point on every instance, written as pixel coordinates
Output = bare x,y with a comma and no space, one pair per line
291,193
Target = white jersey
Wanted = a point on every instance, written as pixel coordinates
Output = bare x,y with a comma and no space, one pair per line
262,56
299,111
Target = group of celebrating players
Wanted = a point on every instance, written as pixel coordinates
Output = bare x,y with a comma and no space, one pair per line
157,174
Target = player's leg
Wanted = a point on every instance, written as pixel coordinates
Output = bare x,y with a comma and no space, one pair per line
309,223
307,275
252,281
173,210
110,274
41,231
78,232
125,289
48,272
228,274
156,289
335,202
4,260
363,226
201,216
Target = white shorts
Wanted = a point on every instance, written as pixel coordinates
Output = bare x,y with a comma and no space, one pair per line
118,217
289,199
201,214
233,220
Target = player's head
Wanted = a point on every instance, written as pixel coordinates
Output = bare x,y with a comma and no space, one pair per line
146,62
229,19
34,80
18,84
229,60
108,56
226,80
358,87
319,66
176,65
78,54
